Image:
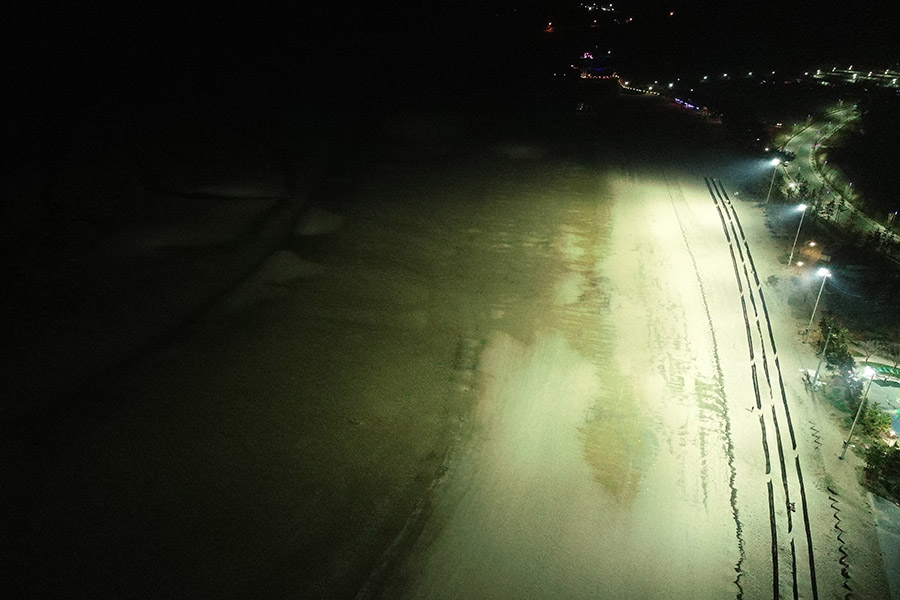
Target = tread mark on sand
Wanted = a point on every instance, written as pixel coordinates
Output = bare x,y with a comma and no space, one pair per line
733,219
816,435
740,251
787,409
755,386
845,564
747,326
737,274
794,571
775,594
749,286
784,481
762,300
808,531
750,258
765,443
765,362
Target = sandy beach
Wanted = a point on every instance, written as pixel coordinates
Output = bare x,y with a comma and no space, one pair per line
532,366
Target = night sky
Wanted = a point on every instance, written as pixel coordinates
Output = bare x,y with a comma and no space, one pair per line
86,54
345,64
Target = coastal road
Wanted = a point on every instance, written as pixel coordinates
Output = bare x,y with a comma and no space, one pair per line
804,143
803,167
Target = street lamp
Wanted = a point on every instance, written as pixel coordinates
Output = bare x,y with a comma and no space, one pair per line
815,378
824,274
775,163
802,208
870,373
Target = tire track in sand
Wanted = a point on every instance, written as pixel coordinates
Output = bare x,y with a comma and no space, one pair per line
730,222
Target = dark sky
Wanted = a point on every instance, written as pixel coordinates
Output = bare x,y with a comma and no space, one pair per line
89,54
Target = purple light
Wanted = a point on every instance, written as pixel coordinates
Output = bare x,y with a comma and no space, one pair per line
685,104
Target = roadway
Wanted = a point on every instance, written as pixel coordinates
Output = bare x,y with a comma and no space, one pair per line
804,144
